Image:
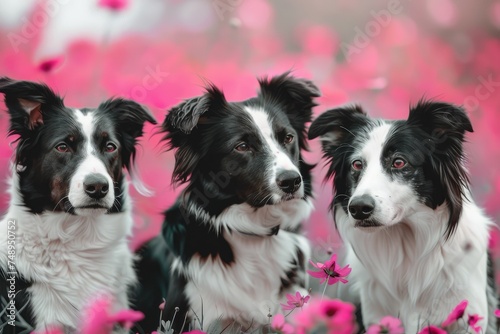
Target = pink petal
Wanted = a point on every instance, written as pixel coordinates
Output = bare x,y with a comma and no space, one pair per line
278,321
113,4
456,314
432,330
497,313
287,307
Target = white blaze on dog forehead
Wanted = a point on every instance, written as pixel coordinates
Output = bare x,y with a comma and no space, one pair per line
262,122
91,164
373,177
88,126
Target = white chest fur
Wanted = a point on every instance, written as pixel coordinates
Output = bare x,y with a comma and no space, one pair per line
250,287
69,259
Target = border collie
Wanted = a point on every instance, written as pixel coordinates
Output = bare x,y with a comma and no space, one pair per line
416,240
69,216
230,248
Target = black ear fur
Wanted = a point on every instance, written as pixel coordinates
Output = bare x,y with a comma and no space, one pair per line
335,126
180,126
296,95
445,124
129,119
27,102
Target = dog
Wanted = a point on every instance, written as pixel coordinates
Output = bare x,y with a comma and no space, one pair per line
69,216
230,247
415,239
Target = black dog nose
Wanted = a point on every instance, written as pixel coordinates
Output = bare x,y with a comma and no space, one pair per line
362,207
289,181
96,186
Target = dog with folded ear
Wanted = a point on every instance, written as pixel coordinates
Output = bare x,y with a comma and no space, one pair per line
64,238
231,248
415,238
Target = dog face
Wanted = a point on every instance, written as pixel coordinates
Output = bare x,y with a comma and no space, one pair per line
383,170
71,160
243,152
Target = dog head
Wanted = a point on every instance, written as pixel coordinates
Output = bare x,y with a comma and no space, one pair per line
68,159
243,152
383,170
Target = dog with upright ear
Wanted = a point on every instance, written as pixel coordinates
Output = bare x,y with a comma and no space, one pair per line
246,184
402,205
70,205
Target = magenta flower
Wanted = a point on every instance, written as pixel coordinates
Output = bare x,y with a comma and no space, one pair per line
457,313
113,4
294,302
497,313
48,65
99,320
432,330
330,271
51,330
473,320
279,324
162,305
326,315
387,325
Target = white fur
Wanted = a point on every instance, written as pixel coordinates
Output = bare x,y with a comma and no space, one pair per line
246,219
249,287
406,268
91,164
281,161
71,259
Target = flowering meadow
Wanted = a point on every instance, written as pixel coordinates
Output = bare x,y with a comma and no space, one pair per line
382,54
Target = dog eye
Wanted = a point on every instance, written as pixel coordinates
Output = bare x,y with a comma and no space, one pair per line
288,139
398,163
242,147
357,165
62,147
110,147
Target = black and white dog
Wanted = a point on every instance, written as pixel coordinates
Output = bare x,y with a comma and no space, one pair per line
229,249
64,238
416,240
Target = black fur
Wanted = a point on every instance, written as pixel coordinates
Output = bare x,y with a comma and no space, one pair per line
431,139
204,131
44,173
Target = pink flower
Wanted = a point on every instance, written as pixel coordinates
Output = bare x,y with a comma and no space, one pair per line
389,325
457,313
432,330
497,313
330,271
99,320
48,65
326,315
52,330
472,321
113,4
294,301
162,305
279,324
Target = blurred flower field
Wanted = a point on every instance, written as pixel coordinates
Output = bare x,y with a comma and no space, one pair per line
383,55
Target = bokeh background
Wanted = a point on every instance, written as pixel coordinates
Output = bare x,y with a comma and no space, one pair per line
383,54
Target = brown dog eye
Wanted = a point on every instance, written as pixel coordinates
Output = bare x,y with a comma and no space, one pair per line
242,147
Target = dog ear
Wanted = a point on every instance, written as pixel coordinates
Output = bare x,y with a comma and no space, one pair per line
445,125
27,103
129,118
181,126
296,95
335,126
